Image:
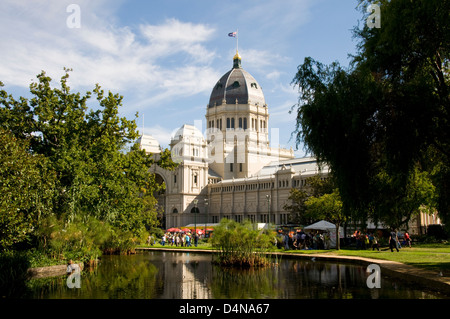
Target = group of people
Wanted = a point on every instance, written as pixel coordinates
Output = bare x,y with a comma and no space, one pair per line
303,240
394,242
366,241
321,240
371,240
180,239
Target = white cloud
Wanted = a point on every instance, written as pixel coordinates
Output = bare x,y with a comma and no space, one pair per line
260,60
274,75
119,58
162,134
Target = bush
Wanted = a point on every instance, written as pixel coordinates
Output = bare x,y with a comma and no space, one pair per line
240,244
437,231
119,242
13,273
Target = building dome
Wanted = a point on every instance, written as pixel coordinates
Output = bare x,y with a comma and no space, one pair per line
188,132
149,144
237,86
188,143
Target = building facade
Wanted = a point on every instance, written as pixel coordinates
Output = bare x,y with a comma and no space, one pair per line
232,172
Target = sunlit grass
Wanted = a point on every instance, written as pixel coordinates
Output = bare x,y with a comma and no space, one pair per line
428,256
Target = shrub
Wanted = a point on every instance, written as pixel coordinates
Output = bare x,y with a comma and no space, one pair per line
240,244
437,231
13,273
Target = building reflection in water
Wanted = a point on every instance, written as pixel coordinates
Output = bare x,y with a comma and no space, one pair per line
172,275
185,276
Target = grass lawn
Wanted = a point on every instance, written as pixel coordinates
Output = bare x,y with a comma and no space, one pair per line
434,257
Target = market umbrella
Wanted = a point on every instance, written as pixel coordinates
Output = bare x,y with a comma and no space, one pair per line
186,230
174,230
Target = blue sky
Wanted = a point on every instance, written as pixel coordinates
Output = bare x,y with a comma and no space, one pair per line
164,57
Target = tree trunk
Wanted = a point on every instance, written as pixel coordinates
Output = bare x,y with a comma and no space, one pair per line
338,242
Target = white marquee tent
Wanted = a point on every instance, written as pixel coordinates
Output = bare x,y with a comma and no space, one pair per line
330,228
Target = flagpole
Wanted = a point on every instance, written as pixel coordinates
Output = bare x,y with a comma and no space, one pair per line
237,40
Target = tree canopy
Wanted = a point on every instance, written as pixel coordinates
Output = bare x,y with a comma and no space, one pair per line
382,124
81,162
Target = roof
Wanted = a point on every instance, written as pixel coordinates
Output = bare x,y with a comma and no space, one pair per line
302,165
323,224
237,85
149,144
190,133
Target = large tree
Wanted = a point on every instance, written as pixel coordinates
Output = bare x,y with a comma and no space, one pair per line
26,190
97,173
315,186
383,122
328,207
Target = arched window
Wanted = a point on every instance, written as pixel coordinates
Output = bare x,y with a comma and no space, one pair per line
175,211
195,210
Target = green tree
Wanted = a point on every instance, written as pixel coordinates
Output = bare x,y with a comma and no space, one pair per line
402,202
328,207
26,190
98,174
382,122
296,205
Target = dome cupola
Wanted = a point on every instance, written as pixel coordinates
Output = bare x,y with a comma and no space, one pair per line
236,61
237,86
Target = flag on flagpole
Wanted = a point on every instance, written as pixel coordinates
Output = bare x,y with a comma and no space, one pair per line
232,34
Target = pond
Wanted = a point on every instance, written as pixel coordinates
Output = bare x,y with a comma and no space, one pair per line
181,275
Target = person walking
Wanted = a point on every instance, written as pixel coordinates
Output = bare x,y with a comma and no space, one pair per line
407,239
188,240
374,242
366,241
196,239
286,241
393,240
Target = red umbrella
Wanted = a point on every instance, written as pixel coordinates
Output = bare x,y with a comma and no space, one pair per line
174,230
186,230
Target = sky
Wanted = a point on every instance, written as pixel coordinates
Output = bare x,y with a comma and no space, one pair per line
164,57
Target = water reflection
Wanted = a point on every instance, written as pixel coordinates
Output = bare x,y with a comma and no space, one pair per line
171,275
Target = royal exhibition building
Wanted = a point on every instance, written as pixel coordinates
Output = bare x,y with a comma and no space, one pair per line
233,172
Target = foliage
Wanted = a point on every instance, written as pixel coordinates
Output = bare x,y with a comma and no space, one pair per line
70,177
437,231
382,123
315,186
241,244
297,207
13,273
26,190
328,207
